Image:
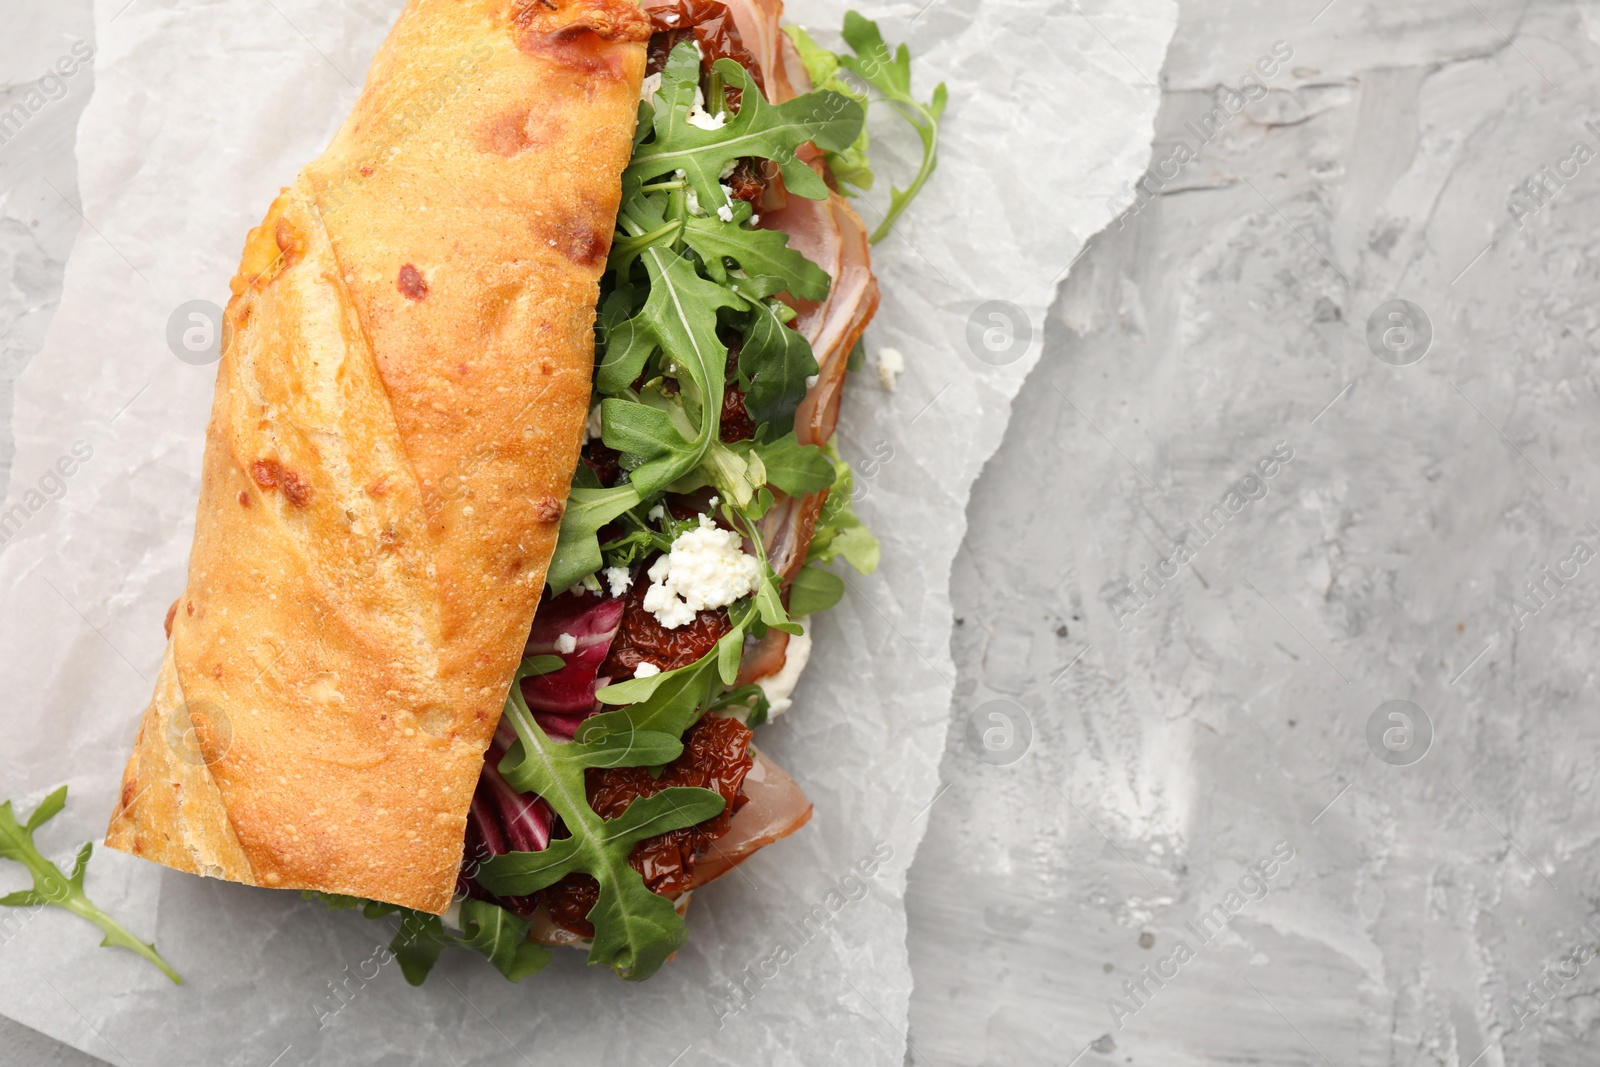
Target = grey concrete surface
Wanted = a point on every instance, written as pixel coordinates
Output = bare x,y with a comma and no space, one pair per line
1145,752
1064,908
38,222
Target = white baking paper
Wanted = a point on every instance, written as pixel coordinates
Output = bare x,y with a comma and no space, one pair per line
202,110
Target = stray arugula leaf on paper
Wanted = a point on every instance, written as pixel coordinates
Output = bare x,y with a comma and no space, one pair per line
51,887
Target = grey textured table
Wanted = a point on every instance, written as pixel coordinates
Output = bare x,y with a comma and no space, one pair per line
1181,822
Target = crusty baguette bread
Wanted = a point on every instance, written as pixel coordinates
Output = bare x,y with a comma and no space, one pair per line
399,409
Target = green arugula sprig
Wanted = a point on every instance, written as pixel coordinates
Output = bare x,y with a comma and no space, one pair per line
487,929
635,930
850,165
828,119
840,534
889,73
51,887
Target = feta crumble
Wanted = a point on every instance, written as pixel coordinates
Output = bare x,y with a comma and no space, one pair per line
658,513
650,87
706,568
646,669
891,364
699,117
566,643
591,429
618,579
725,213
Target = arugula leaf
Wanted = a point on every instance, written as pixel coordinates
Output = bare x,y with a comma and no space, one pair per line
850,166
795,468
764,255
775,361
751,699
335,901
854,542
487,929
502,938
680,318
814,590
635,929
59,890
890,73
828,119
669,701
577,553
533,666
661,449
858,356
839,531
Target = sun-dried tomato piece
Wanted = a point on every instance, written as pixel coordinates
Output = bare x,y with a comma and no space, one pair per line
716,755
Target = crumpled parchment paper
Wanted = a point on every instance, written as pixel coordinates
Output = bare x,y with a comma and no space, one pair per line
202,110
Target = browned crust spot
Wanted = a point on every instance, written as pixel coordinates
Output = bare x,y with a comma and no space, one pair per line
584,245
270,474
548,509
266,472
411,284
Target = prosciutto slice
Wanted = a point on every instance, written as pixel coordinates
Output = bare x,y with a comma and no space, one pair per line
830,233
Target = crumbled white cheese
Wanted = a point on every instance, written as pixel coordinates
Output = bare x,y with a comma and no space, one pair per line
890,366
706,568
779,687
650,87
692,201
646,669
699,117
811,381
725,213
566,643
755,220
591,429
619,579
658,513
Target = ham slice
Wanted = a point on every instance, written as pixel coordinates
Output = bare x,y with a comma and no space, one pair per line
829,228
776,808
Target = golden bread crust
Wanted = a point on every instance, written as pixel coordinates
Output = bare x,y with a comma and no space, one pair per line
398,412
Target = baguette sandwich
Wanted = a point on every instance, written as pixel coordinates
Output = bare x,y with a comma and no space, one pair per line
519,480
